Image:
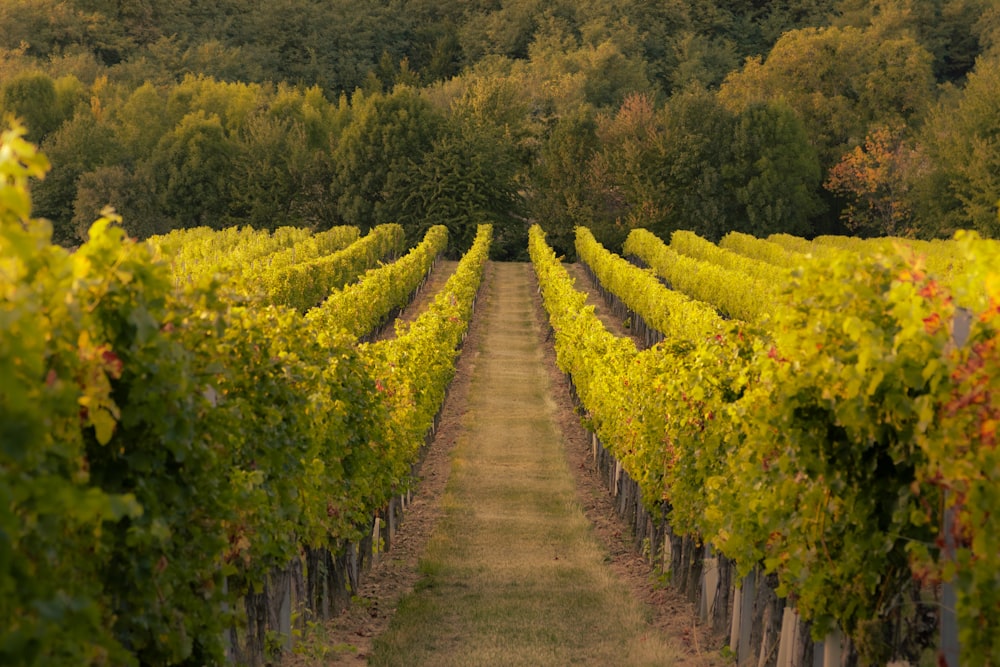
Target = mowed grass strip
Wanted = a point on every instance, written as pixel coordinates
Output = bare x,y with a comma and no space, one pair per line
513,574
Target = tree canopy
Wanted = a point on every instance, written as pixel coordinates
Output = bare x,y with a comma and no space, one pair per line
808,117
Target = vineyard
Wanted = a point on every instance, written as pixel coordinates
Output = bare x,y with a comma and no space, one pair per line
192,426
834,428
177,432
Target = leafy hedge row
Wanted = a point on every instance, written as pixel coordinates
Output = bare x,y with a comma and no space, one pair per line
668,311
828,446
163,449
305,284
734,294
361,307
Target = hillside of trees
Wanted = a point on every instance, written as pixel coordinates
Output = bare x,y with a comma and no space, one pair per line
872,117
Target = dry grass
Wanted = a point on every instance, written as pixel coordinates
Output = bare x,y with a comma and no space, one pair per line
513,574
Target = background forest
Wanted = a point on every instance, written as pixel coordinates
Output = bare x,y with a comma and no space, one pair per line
801,116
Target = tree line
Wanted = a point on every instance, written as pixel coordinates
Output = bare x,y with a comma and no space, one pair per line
817,116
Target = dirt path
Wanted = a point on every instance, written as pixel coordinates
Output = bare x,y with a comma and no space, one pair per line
527,563
513,574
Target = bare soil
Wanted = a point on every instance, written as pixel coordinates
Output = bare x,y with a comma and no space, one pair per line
348,639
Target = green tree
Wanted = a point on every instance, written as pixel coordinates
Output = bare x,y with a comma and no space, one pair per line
192,167
142,120
127,192
839,81
388,135
661,169
784,15
702,60
601,72
445,56
956,36
231,102
468,178
334,44
278,179
951,30
505,30
962,139
773,172
170,58
694,165
660,25
626,175
321,120
78,146
71,96
699,42
472,172
31,96
697,130
51,28
559,193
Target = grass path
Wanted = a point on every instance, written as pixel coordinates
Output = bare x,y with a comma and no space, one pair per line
513,574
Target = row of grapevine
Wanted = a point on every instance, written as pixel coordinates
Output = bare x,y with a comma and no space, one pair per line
363,307
692,245
734,294
762,250
200,245
593,358
165,449
946,259
668,312
827,448
313,248
136,463
940,247
800,245
303,285
413,370
943,258
200,252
